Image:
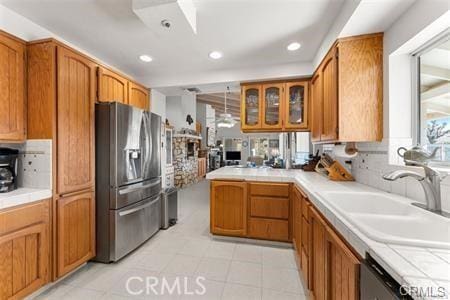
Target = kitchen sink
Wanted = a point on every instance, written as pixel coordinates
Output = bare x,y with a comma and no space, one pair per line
411,230
370,203
384,218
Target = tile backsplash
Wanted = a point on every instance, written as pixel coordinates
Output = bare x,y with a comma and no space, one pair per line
368,168
34,163
372,163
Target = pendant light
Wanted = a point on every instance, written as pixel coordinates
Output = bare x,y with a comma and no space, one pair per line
226,120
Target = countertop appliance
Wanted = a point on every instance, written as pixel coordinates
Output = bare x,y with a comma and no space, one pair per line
169,208
8,169
376,283
128,178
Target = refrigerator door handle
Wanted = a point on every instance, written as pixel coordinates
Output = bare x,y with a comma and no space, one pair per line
134,189
133,210
147,147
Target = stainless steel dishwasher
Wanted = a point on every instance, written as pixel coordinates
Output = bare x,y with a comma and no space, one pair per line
377,284
169,207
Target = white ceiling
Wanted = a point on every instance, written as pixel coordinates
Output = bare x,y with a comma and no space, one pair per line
250,33
374,16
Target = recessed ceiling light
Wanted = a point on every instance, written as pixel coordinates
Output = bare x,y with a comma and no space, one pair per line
145,58
215,55
293,46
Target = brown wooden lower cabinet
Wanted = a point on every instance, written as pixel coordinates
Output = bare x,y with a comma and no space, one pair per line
334,267
282,212
297,225
228,206
202,167
75,231
250,209
24,249
342,269
269,207
318,255
269,229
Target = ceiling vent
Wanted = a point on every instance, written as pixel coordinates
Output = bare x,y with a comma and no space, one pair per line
193,90
155,13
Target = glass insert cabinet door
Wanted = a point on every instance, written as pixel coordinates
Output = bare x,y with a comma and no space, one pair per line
296,105
251,107
272,105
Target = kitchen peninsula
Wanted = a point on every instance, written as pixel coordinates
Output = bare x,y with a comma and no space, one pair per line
323,225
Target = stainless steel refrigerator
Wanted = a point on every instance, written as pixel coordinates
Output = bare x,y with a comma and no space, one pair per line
128,178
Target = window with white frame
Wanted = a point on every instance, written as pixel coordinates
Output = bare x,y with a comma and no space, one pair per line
433,97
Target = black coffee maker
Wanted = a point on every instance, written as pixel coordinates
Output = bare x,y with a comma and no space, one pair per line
8,169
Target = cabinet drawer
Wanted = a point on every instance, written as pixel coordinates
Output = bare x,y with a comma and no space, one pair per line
269,207
305,235
269,189
15,218
269,229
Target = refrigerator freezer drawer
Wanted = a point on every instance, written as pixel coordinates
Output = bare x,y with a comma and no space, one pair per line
130,194
133,225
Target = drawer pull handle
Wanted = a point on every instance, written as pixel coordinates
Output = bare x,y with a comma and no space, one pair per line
141,207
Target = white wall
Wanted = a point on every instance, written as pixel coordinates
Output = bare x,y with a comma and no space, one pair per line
178,107
211,123
201,118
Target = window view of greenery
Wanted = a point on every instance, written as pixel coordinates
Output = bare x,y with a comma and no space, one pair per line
435,99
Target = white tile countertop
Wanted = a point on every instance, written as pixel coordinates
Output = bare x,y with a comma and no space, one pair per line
23,196
412,266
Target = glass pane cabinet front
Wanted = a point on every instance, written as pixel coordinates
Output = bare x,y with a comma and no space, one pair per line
272,106
252,107
296,104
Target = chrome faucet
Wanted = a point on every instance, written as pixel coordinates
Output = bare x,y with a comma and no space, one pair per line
431,184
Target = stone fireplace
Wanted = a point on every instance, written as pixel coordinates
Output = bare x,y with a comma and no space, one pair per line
185,159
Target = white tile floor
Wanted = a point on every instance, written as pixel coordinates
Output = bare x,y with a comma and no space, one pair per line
232,270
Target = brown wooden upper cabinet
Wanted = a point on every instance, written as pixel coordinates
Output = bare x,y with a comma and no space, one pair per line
111,86
76,94
274,106
138,96
251,107
316,109
12,89
296,106
347,92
